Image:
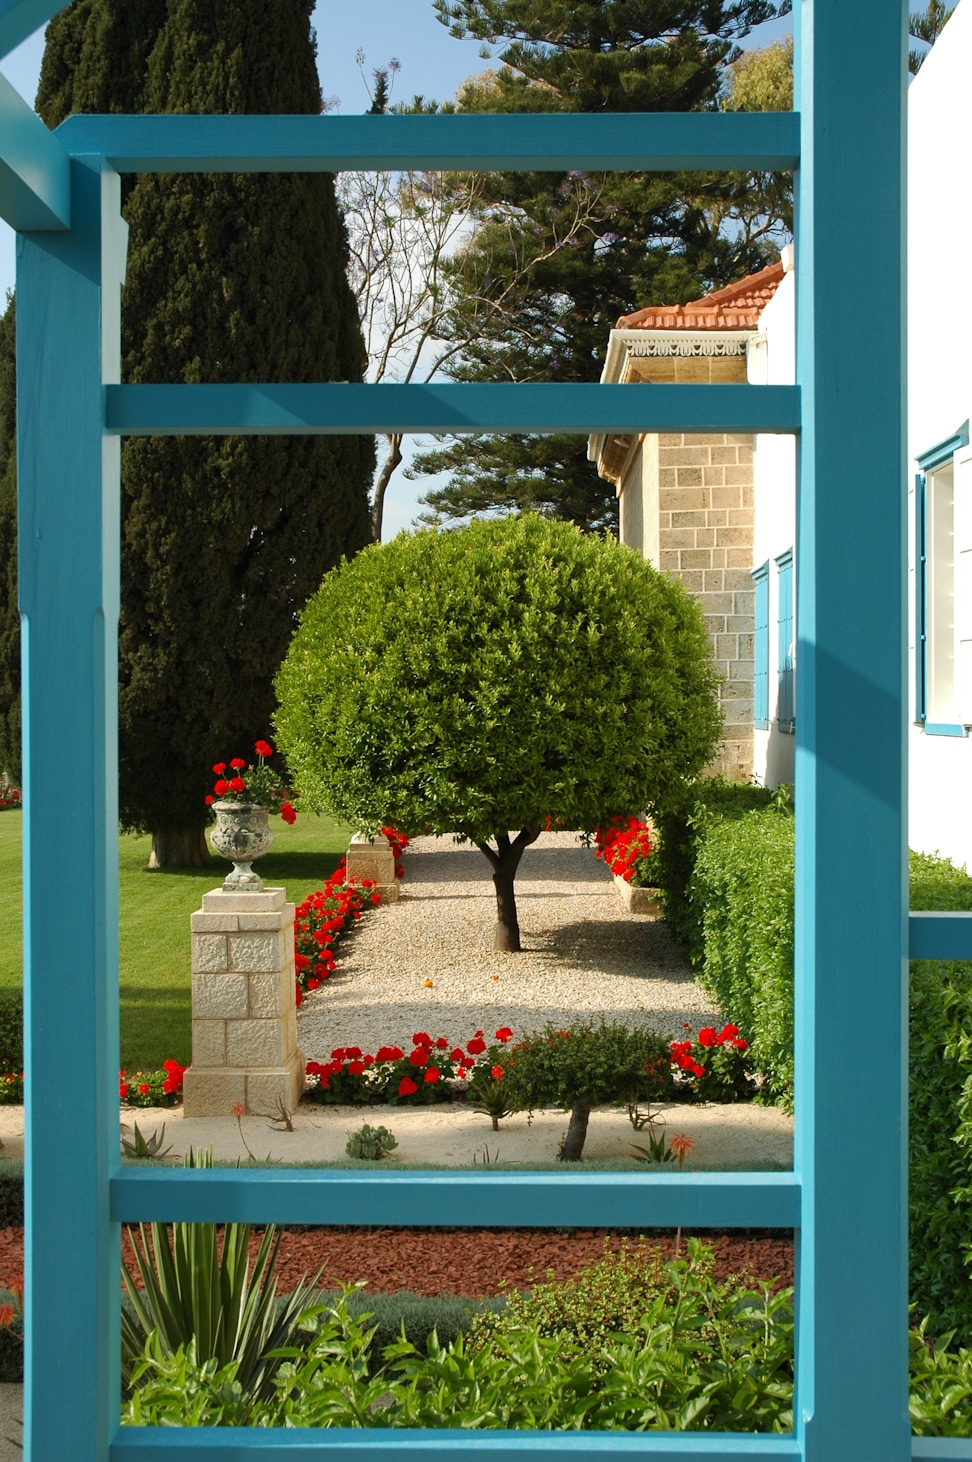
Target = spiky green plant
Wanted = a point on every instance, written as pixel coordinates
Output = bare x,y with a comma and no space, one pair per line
193,1289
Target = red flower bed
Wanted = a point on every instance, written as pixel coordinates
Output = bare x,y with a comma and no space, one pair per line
623,844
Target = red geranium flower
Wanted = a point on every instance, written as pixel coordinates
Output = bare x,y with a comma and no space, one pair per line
144,1088
419,1056
210,800
442,1043
707,1036
313,983
458,1055
354,1051
497,1072
741,1045
504,1034
219,767
406,1087
263,748
432,1074
237,762
288,814
237,784
221,787
421,1039
476,1046
355,1067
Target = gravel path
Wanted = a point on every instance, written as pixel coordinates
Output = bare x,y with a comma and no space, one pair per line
583,955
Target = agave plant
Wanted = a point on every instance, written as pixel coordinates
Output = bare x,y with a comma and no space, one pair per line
193,1289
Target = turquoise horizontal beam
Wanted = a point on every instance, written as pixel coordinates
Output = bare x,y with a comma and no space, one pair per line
941,1449
35,170
619,142
335,409
939,936
454,1197
414,1444
20,18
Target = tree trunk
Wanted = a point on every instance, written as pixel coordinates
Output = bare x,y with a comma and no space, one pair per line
573,1144
388,467
180,848
505,862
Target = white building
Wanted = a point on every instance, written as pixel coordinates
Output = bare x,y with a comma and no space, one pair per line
940,404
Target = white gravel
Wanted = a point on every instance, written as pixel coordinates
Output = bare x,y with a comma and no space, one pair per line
583,956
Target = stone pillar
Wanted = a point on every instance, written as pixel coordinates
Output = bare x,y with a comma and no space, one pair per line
373,858
244,1014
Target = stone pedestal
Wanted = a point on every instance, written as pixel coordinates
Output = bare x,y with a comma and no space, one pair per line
244,1014
373,858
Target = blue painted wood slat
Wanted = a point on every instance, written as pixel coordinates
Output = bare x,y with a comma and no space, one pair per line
68,480
35,189
144,1444
658,141
498,1200
20,18
851,1114
280,410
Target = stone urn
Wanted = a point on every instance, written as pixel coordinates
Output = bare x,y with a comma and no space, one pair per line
241,834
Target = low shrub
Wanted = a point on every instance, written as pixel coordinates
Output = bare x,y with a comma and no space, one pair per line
370,1144
692,1355
433,1071
582,1068
11,1037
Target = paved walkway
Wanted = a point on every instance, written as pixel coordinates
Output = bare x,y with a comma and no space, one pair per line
584,956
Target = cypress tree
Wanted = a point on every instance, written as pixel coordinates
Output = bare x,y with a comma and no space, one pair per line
231,278
642,239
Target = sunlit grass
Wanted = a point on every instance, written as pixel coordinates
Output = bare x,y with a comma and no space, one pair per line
154,925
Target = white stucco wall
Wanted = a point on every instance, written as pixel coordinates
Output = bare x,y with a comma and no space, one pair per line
775,510
940,374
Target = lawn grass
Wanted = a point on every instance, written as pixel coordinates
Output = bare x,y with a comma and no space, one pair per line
154,925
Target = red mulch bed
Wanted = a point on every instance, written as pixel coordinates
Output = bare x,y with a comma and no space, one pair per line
468,1262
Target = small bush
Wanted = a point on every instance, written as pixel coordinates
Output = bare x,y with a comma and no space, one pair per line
370,1144
581,1068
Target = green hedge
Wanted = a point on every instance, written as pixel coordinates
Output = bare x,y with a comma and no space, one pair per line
735,910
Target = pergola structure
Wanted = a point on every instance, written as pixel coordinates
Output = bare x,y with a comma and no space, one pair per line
846,1197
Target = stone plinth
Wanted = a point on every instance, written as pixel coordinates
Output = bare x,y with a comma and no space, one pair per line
639,900
373,858
244,1014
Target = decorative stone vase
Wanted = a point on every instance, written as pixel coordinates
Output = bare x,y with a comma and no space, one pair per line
241,834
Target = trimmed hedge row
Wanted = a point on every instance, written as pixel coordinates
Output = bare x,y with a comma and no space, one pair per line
731,900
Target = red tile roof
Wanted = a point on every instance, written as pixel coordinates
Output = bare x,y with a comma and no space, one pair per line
737,307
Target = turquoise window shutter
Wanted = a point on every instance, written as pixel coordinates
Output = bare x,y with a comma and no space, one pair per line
761,648
785,642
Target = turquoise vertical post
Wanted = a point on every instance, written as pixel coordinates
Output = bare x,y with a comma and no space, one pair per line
850,913
68,347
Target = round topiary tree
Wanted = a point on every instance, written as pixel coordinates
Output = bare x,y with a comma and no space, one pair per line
491,678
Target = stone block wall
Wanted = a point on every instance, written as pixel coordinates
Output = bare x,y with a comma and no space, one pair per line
687,505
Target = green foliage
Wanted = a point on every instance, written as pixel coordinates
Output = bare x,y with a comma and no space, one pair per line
142,1147
195,1291
741,894
761,80
482,679
694,1355
927,25
940,1404
371,1143
586,1065
11,1194
940,1115
231,277
538,289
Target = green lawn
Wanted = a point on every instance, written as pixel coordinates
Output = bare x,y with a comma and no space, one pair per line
154,925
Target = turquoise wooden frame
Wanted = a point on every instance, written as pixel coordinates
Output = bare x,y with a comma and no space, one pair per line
846,1197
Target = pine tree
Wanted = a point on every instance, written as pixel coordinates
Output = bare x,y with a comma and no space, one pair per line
231,278
646,239
927,25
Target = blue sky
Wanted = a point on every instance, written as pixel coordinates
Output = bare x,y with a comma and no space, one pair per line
433,63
